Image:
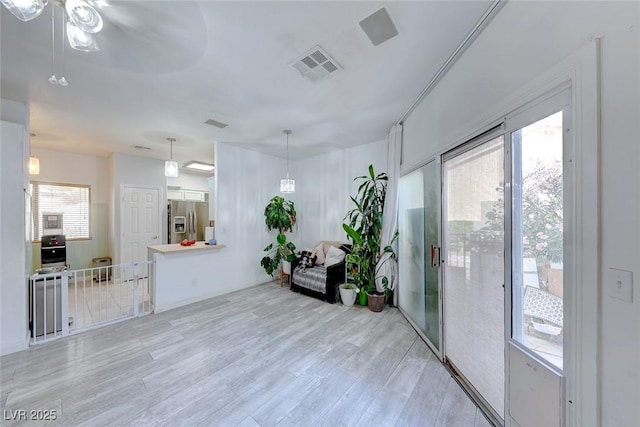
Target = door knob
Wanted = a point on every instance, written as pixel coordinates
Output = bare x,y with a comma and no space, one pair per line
154,237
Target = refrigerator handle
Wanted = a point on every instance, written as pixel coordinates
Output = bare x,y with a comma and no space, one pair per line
195,224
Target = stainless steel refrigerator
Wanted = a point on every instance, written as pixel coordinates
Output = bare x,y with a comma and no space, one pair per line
187,220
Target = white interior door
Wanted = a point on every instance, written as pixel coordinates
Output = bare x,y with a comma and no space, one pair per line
140,222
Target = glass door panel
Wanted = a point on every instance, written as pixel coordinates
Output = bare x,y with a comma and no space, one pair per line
473,245
537,269
418,224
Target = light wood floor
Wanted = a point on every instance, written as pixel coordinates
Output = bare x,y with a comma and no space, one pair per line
261,356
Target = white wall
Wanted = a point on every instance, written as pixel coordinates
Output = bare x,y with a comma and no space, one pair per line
14,153
620,346
70,168
247,180
323,186
524,41
136,171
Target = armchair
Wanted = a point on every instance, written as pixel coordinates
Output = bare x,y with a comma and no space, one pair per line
318,281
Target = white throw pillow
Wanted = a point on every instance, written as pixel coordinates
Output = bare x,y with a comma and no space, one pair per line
334,256
320,255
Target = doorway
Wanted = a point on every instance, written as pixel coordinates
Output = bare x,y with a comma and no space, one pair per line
506,210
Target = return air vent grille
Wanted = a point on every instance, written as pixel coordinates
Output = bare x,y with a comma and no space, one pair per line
316,65
216,123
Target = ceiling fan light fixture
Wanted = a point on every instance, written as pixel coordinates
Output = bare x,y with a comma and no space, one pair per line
80,40
84,16
25,10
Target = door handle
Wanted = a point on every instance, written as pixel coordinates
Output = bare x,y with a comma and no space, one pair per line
154,238
435,260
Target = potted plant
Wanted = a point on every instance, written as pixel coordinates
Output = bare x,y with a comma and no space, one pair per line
348,293
280,215
364,230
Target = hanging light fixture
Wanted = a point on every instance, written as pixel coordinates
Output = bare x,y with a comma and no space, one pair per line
34,165
287,185
34,162
171,166
25,10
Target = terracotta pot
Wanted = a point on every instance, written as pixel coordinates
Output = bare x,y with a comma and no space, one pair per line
376,301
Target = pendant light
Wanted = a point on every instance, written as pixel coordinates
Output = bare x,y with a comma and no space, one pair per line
34,162
287,185
34,165
171,166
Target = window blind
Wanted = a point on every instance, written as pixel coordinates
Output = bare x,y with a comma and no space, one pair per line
72,201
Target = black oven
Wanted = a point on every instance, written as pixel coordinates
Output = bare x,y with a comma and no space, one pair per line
53,250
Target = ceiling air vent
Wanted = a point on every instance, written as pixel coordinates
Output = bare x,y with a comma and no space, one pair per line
379,27
141,147
216,123
316,65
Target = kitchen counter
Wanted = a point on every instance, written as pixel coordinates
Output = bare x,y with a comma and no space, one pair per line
186,274
177,248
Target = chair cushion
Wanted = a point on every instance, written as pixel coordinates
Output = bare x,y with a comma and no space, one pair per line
334,256
319,255
326,244
307,260
311,278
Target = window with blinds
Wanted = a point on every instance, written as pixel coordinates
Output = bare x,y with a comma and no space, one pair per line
72,201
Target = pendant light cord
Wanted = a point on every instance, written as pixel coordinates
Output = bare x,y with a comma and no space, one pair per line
171,147
287,156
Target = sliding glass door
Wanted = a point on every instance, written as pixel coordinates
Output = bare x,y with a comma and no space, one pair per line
419,255
498,310
537,248
473,253
540,281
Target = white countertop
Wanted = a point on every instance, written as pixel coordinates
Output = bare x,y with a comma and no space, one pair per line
177,248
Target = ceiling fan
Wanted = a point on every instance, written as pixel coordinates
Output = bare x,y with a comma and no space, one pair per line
84,20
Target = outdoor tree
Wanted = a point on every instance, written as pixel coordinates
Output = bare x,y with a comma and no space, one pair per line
542,212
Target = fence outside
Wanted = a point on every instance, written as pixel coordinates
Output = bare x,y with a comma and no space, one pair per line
73,301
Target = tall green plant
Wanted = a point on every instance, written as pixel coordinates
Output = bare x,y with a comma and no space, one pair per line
364,230
280,215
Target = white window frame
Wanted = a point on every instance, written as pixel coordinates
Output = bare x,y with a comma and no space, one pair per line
37,211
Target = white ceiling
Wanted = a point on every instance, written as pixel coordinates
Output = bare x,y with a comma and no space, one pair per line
165,67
